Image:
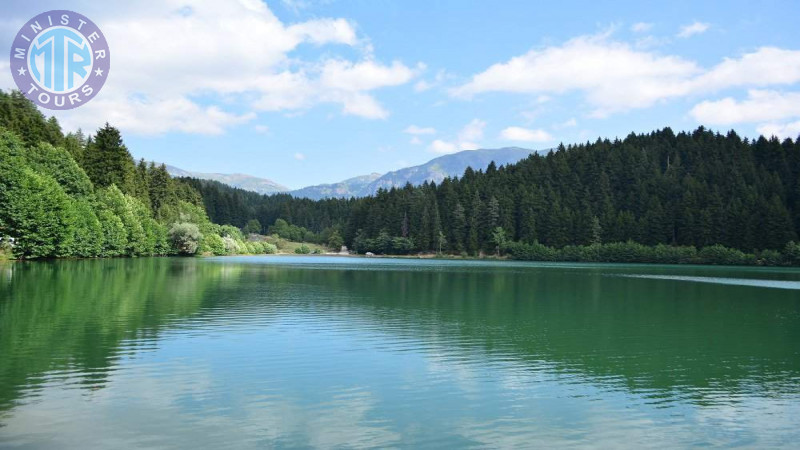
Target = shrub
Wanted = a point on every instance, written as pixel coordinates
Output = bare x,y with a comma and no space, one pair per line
185,238
531,252
231,232
718,254
401,246
770,258
667,254
791,253
213,244
231,246
302,250
335,241
625,252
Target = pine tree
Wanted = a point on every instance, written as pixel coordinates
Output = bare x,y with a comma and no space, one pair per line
459,228
107,161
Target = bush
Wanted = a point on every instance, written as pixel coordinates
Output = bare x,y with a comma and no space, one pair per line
791,253
6,250
335,241
531,252
580,253
718,254
270,249
231,246
667,254
632,252
185,238
770,258
213,244
401,246
302,250
231,232
626,252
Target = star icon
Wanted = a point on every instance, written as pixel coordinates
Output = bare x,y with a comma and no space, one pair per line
21,71
99,72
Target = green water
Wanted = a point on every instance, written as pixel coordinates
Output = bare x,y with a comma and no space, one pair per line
257,352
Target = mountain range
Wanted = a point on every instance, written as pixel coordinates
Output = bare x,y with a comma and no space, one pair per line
435,170
239,180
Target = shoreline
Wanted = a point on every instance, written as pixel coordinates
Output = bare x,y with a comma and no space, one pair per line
434,256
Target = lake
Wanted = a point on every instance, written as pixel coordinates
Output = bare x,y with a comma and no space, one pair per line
283,351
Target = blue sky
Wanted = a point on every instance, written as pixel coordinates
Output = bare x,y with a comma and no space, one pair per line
305,92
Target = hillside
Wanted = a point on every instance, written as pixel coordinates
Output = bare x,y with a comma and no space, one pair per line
694,189
69,196
445,166
239,180
351,187
434,170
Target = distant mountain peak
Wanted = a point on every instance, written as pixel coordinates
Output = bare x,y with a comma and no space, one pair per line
239,180
435,170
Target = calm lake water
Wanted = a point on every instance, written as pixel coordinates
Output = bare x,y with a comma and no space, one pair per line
251,352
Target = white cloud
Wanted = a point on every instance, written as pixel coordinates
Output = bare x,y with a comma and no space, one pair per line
786,130
226,53
296,5
415,141
569,123
338,81
261,129
299,156
651,42
764,67
422,86
359,104
760,106
324,31
471,132
641,27
614,77
149,116
525,135
467,139
692,29
413,129
363,76
440,146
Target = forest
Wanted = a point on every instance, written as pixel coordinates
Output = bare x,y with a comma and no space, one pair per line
77,196
690,197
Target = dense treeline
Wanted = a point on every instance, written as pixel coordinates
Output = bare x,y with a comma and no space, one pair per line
234,206
72,196
696,189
